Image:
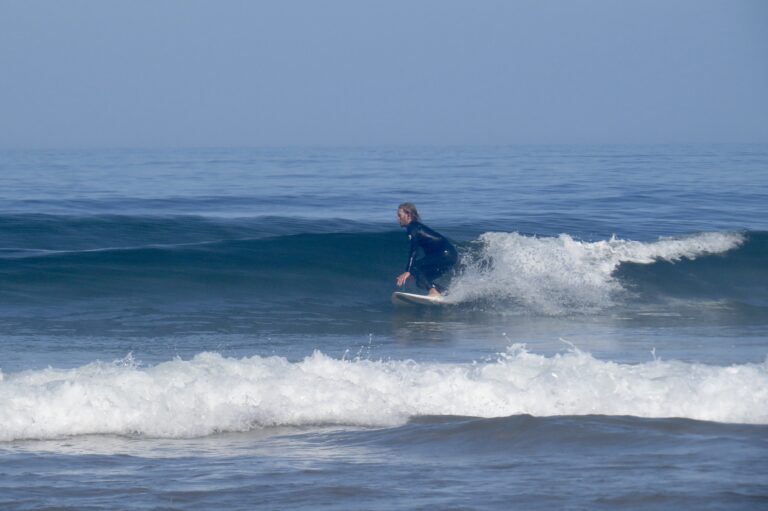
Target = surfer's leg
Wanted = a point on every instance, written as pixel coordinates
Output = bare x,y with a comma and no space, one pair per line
429,270
433,274
440,267
418,273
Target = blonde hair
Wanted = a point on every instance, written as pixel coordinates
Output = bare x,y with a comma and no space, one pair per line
410,209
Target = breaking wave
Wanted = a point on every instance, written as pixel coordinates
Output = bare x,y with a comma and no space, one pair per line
211,393
560,274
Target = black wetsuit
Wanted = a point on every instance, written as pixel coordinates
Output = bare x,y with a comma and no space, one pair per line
439,255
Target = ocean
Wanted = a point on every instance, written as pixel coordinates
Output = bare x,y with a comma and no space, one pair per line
212,329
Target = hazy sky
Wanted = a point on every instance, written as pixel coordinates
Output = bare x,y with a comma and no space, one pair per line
97,73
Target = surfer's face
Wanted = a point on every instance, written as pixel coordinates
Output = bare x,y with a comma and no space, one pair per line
403,217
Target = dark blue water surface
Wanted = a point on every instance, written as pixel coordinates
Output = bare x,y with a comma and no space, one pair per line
199,329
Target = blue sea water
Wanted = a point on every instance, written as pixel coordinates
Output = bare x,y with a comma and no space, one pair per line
210,329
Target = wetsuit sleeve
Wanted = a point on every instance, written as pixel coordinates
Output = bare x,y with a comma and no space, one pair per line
414,244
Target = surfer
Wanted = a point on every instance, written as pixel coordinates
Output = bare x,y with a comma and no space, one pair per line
439,254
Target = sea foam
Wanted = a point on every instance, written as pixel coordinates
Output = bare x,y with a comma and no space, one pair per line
560,275
211,393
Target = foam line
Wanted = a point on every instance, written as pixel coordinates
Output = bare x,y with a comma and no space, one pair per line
211,393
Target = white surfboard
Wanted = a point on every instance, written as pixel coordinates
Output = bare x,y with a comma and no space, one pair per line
399,298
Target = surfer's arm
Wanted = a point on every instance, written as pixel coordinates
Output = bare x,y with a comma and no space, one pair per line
413,237
413,233
407,273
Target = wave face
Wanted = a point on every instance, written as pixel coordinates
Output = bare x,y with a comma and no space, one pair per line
211,393
180,258
53,260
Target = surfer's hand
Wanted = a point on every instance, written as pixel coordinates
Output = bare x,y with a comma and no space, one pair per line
402,278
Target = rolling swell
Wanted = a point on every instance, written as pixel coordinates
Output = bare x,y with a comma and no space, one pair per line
46,258
294,264
40,232
529,435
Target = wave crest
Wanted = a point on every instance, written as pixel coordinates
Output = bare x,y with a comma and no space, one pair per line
562,275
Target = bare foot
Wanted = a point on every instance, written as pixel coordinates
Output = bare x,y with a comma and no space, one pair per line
434,293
